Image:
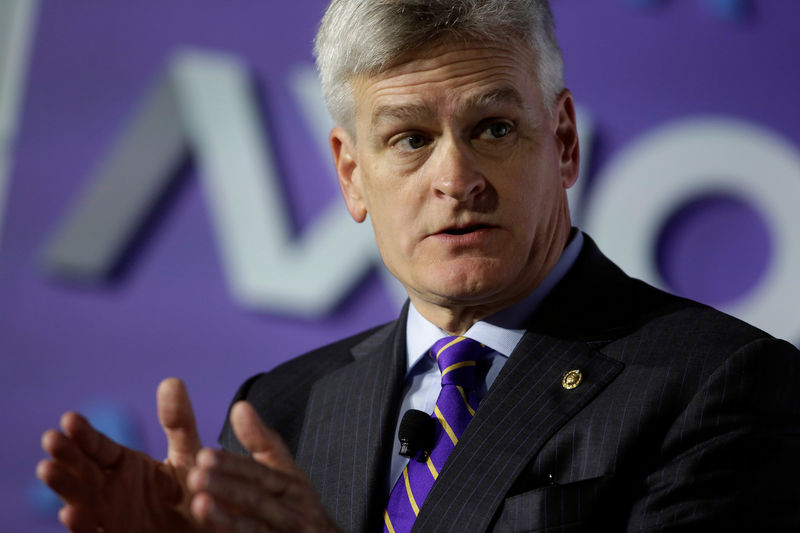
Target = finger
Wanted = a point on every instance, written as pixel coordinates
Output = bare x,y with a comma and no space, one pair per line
219,517
76,520
249,489
264,443
167,484
68,453
239,470
99,448
64,482
177,419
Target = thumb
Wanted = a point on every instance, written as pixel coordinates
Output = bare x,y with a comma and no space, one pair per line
264,443
177,419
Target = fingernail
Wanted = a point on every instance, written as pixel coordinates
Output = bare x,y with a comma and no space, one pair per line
198,506
41,469
206,457
194,480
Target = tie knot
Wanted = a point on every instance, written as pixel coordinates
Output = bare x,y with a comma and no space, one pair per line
457,358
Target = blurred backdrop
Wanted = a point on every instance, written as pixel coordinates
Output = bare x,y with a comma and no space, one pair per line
168,206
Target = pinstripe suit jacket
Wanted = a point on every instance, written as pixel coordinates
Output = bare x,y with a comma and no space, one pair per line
685,419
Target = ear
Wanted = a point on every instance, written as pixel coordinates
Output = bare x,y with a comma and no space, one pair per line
345,158
566,133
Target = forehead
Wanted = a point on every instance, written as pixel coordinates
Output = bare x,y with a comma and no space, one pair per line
449,78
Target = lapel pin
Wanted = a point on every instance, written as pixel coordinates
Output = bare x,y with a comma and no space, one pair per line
571,379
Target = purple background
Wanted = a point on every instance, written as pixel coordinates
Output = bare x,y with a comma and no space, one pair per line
68,347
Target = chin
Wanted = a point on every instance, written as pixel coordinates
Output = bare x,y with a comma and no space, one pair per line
470,282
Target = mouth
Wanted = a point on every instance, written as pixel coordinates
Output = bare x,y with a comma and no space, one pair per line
464,230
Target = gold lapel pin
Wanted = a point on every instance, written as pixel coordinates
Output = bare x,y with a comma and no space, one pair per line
571,379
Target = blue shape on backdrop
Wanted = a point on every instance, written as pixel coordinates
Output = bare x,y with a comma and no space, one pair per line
107,416
729,9
715,249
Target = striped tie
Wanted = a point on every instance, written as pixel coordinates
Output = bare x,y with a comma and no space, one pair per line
457,359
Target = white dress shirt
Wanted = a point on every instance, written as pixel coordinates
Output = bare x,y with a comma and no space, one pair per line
500,332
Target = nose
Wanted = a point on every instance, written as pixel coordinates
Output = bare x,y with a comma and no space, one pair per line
456,173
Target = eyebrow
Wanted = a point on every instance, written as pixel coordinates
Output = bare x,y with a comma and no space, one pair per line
412,112
406,112
500,95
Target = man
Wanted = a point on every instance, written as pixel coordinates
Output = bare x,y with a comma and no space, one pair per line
598,402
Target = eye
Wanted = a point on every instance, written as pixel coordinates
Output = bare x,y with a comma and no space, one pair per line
495,130
412,142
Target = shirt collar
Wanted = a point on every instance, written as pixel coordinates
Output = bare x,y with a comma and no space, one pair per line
500,331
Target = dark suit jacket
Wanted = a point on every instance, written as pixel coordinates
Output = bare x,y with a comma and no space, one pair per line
685,419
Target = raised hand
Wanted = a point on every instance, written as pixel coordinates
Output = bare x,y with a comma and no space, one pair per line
108,488
266,493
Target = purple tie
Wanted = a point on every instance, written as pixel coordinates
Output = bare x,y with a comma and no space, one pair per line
457,359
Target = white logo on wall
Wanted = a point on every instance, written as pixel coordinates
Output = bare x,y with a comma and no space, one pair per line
17,19
670,167
205,102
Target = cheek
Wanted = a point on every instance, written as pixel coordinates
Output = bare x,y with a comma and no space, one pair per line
532,212
391,223
397,208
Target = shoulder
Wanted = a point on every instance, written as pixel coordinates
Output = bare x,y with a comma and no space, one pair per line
280,395
687,330
666,343
686,364
299,373
713,392
637,321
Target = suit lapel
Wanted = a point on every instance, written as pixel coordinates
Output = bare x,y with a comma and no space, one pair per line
349,427
527,403
525,407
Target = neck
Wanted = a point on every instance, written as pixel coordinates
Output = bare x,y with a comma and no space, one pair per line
453,320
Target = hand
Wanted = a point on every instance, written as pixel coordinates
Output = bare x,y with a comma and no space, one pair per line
265,493
109,488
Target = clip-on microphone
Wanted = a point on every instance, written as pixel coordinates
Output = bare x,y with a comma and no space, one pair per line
416,434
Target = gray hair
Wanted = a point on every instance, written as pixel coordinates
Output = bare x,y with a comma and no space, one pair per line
366,37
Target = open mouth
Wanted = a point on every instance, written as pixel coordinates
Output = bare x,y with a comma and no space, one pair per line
464,230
